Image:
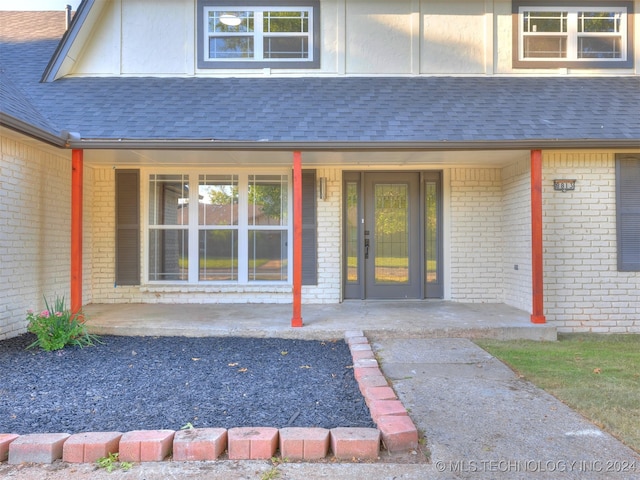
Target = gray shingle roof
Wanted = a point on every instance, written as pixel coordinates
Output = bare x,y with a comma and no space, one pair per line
327,109
18,106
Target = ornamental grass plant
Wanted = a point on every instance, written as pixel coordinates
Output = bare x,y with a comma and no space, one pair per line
56,327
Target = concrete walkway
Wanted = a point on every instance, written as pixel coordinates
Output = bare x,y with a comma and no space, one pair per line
479,419
411,319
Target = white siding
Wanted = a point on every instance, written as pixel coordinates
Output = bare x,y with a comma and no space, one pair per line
358,37
454,36
375,29
157,39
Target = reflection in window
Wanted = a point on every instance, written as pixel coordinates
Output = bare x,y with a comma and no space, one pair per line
572,33
391,233
352,232
168,234
259,34
431,231
168,255
218,200
267,207
267,199
268,255
236,224
168,195
218,255
218,220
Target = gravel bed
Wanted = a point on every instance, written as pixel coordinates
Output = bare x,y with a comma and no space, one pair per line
144,383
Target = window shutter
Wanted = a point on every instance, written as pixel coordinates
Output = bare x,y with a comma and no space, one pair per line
309,236
127,227
628,211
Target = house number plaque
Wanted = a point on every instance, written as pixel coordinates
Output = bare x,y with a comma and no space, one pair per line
564,185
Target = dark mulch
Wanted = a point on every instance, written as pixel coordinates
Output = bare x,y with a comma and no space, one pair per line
131,383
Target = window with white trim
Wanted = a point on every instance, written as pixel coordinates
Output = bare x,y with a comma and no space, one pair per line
585,35
275,34
230,228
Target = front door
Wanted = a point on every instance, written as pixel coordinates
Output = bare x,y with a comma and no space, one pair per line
385,236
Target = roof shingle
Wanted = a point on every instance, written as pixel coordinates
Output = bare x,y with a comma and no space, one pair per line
324,109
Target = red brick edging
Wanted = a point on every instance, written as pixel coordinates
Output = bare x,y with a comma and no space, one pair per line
395,430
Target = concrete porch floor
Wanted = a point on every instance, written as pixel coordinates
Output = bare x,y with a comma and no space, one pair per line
389,319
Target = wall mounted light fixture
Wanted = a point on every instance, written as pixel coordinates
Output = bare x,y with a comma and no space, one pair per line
322,188
563,184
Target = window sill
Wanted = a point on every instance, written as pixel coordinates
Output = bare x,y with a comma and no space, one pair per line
217,288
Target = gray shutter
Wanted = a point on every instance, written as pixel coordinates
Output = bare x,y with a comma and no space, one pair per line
127,227
309,236
628,211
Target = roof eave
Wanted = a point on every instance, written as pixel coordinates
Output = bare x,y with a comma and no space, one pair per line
25,128
55,63
214,144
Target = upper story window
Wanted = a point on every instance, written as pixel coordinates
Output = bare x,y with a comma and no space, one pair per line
584,35
258,34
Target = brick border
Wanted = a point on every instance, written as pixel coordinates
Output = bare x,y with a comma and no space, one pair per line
395,430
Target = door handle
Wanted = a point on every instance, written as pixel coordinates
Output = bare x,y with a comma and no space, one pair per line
366,248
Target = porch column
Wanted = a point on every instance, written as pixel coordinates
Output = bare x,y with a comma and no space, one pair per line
296,320
537,268
76,230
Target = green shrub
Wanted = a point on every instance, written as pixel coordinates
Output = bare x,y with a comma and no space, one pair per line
57,327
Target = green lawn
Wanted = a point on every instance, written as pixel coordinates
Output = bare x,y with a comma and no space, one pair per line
597,375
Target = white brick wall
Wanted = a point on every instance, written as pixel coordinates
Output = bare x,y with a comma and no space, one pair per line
88,220
329,288
584,292
476,235
516,229
490,233
35,229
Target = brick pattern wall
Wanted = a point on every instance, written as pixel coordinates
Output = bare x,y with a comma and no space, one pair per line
88,220
329,288
584,292
516,230
35,227
476,235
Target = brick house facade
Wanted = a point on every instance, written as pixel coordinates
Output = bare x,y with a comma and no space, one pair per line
479,143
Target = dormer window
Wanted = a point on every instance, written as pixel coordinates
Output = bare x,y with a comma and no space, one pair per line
258,34
581,35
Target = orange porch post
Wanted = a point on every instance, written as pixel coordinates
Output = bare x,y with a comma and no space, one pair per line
76,230
296,320
537,267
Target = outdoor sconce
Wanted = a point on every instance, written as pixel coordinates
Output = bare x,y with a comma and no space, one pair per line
563,185
322,188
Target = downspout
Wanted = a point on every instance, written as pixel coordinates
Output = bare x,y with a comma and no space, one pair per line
296,320
537,266
76,230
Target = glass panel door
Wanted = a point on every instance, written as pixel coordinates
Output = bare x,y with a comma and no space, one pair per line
392,236
432,187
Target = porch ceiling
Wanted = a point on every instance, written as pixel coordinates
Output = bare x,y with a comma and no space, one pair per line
359,159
